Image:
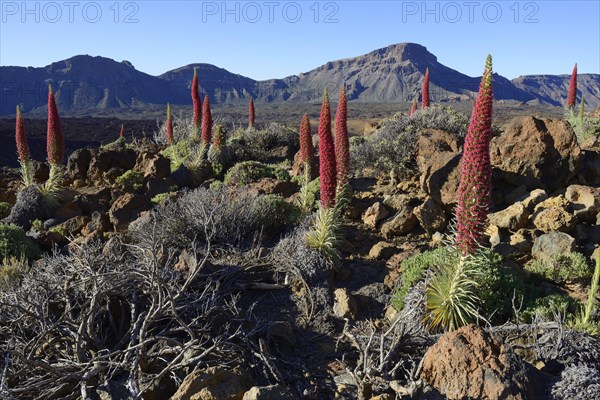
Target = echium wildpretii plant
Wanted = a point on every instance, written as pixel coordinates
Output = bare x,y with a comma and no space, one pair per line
572,94
577,122
55,148
251,114
342,150
197,105
23,150
327,162
169,124
206,126
451,293
414,107
306,157
325,233
217,154
474,190
425,90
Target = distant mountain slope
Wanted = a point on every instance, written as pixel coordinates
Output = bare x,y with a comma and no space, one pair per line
86,84
552,89
81,83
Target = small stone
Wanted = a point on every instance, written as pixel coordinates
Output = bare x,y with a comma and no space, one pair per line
512,218
403,222
374,214
585,201
535,197
431,216
126,209
157,167
213,383
273,392
382,251
345,304
553,243
554,219
390,313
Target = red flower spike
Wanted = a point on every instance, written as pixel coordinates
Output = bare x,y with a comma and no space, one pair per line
327,167
21,139
55,142
206,122
415,105
197,105
122,133
572,96
425,90
306,144
474,191
251,114
342,145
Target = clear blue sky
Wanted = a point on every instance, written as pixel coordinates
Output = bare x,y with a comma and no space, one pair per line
274,39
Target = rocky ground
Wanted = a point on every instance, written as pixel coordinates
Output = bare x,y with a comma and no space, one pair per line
252,313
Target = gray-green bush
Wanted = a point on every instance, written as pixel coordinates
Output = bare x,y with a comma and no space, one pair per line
392,146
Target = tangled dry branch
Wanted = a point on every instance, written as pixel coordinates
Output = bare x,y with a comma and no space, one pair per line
115,313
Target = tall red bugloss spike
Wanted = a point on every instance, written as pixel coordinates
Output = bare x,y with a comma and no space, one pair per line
425,90
572,96
21,139
169,125
251,113
474,190
122,132
327,168
306,144
342,145
197,105
55,142
414,107
206,122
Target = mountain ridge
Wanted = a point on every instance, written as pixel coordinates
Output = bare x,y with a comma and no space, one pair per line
84,84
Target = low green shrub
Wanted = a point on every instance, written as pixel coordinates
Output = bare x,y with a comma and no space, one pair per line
392,147
413,270
15,243
179,152
4,209
253,144
561,267
131,180
246,172
490,285
160,198
548,307
280,212
11,271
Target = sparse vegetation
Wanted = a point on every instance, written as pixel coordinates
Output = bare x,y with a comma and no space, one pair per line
247,172
259,145
561,267
392,147
4,209
135,293
14,243
131,181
